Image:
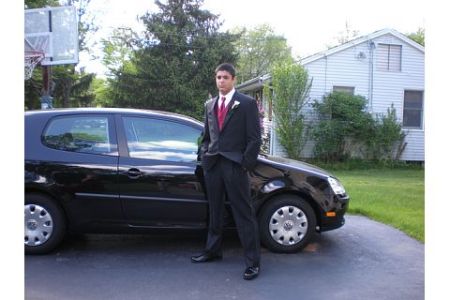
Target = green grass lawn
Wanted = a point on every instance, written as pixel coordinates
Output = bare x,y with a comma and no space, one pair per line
390,196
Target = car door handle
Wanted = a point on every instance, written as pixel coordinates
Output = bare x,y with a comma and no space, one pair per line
134,173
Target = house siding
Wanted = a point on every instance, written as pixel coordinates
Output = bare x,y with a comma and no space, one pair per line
389,89
352,67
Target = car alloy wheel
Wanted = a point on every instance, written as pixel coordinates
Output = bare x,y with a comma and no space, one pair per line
38,225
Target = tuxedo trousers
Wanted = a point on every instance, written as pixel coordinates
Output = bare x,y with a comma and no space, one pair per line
227,179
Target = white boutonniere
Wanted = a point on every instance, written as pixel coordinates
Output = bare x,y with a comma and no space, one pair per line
235,104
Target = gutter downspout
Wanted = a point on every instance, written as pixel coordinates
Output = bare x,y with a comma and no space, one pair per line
272,128
371,70
326,73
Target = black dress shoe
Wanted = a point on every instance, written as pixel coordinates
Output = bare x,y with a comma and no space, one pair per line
251,273
205,257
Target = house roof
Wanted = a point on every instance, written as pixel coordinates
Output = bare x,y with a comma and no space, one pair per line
259,81
360,40
254,83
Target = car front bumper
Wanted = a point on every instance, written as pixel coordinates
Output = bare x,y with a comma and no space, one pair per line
335,218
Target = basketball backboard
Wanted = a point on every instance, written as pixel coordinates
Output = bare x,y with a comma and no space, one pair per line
53,31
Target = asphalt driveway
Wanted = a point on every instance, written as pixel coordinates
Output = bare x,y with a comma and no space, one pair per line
362,260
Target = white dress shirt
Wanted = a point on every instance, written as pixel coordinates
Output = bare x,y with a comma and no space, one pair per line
228,97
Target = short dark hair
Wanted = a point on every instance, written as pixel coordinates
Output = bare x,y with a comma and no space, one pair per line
226,67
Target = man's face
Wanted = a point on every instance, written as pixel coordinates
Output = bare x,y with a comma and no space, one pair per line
224,82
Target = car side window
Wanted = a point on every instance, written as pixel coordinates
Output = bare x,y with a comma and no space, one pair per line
161,139
86,134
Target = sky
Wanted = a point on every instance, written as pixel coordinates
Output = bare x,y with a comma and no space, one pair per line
308,26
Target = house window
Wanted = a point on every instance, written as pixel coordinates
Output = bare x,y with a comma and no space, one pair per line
346,89
389,57
413,109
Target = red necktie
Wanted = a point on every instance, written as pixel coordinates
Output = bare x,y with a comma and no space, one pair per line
221,113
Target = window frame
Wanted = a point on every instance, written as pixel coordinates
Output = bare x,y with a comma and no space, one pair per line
421,110
389,58
344,89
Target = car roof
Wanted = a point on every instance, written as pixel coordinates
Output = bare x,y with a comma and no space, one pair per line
94,110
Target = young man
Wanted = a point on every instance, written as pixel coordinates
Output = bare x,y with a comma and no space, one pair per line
230,147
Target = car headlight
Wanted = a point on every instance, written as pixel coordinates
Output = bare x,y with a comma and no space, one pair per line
337,187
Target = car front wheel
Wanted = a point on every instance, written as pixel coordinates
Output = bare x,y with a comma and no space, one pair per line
286,224
44,224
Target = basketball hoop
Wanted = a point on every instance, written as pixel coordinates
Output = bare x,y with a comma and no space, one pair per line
32,59
36,49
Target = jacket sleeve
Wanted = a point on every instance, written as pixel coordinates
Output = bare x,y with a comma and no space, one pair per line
205,136
253,134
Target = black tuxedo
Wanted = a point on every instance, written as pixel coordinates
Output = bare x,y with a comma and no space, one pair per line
240,138
226,156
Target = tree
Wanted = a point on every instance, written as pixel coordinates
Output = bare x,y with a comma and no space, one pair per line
40,3
418,36
259,50
86,23
345,35
101,90
118,50
72,89
173,65
291,86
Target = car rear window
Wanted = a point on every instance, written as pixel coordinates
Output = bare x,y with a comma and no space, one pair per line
87,134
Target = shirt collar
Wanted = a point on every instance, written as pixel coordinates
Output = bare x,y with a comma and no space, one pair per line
228,96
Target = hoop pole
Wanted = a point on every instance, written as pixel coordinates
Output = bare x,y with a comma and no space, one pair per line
46,98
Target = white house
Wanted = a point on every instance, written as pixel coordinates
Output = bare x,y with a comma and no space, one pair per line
385,67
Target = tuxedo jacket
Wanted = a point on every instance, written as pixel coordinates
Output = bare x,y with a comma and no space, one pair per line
240,137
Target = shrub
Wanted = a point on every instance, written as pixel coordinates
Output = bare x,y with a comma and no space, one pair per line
346,130
290,86
343,124
387,134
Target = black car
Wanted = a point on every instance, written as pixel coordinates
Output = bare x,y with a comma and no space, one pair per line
126,170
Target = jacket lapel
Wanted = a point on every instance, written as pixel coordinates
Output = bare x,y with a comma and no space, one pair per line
230,112
212,114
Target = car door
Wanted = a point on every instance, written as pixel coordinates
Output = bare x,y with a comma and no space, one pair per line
79,162
159,177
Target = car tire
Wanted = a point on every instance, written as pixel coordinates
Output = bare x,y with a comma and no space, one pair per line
286,224
45,224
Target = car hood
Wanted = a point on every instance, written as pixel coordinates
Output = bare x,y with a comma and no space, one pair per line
292,164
